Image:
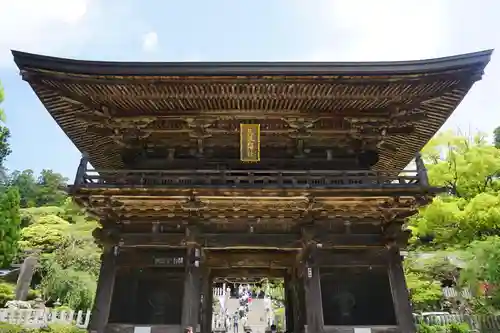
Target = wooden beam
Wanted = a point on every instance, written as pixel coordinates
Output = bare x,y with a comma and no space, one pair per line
361,192
251,240
146,258
375,113
239,260
146,221
248,272
267,259
365,258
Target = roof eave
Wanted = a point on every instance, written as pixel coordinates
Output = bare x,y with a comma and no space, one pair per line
24,60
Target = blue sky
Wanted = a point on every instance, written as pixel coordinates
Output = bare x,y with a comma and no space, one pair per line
201,30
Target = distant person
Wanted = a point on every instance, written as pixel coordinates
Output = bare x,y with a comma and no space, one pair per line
273,328
235,322
188,329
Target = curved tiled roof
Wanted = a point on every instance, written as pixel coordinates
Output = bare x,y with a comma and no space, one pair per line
67,87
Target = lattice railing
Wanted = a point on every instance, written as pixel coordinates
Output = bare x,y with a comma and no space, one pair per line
248,178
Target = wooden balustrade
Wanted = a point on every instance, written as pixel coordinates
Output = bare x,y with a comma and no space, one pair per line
37,318
248,178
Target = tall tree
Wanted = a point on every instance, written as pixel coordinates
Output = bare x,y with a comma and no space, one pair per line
466,218
9,200
468,168
46,190
4,137
10,225
25,181
51,188
496,137
465,165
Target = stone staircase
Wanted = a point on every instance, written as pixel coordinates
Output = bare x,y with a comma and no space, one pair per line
256,314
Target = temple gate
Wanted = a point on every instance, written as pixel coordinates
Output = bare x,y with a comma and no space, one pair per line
314,191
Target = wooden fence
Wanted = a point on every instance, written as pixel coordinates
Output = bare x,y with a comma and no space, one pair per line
36,318
478,323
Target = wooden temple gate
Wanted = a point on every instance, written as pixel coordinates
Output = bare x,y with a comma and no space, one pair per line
178,207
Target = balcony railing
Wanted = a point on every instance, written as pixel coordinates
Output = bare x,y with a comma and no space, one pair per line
248,178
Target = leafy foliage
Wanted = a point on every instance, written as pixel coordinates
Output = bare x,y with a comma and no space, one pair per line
70,258
47,190
8,293
9,200
4,136
451,328
61,232
36,214
484,267
496,137
9,328
467,166
10,224
72,287
463,224
425,292
46,235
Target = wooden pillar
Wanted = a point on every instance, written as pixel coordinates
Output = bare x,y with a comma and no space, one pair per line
104,293
192,288
206,319
82,169
298,306
289,303
313,301
421,170
134,292
400,295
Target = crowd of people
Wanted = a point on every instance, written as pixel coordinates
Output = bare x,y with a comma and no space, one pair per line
238,320
245,300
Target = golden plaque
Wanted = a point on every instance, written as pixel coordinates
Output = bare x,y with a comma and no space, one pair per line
250,142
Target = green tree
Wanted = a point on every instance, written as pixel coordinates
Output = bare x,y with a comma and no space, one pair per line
9,199
452,221
465,165
72,287
425,275
468,168
46,190
464,223
425,293
25,181
4,136
79,251
70,259
10,225
496,137
51,191
483,266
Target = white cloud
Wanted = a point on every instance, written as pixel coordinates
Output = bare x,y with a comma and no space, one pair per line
150,41
41,26
361,30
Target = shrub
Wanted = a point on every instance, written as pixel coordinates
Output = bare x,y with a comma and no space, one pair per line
7,293
459,328
451,328
9,328
61,329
